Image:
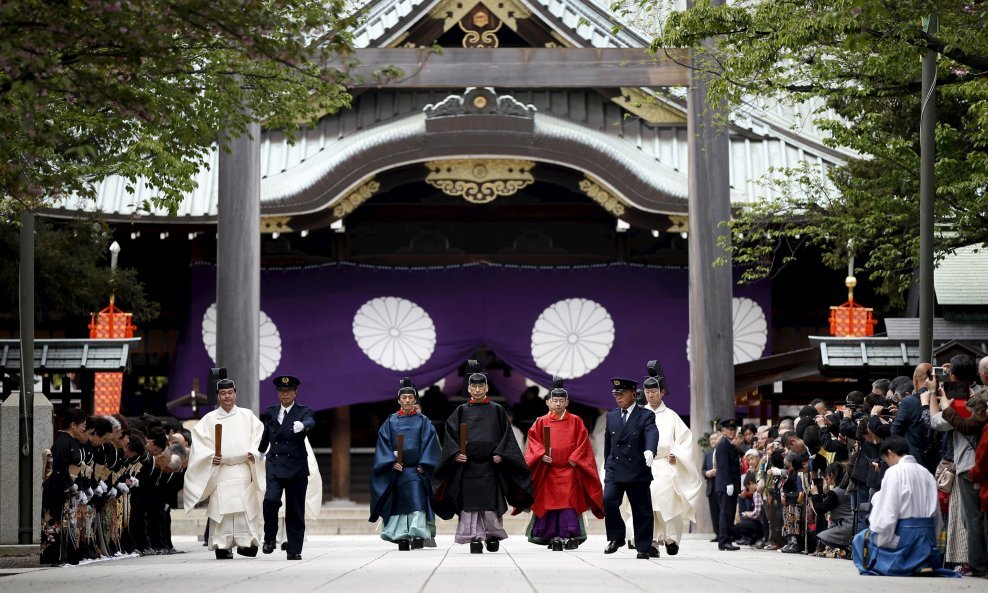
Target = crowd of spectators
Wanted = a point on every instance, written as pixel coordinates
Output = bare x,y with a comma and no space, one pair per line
809,482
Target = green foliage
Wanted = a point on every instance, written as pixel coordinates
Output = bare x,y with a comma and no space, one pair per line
859,61
72,276
91,88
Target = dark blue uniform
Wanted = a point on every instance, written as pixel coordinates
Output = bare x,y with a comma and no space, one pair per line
287,471
625,442
712,501
728,463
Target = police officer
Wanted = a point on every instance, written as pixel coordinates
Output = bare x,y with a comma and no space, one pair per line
630,442
727,482
285,428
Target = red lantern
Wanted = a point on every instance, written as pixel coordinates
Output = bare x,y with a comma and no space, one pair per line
851,319
111,322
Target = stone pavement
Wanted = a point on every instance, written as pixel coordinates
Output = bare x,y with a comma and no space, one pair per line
365,564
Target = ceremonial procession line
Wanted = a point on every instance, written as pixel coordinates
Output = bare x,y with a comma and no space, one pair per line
368,565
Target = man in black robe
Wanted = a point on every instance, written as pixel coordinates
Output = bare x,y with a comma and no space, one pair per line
479,485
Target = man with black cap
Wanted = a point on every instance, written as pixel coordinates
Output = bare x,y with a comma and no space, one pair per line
223,466
727,482
480,466
285,428
401,478
630,442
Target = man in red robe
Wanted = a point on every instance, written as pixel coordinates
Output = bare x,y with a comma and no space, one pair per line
564,476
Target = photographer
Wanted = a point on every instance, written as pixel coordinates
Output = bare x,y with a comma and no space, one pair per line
909,419
848,426
833,499
828,441
942,412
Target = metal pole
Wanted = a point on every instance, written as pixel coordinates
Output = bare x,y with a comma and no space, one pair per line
927,193
26,465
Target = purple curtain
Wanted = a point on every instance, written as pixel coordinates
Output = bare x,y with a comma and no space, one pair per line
350,332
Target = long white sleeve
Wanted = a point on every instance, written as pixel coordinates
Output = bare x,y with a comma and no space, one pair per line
908,491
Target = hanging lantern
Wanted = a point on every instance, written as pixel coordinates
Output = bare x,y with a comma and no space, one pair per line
851,319
109,323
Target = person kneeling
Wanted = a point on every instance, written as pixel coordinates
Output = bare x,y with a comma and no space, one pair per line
905,520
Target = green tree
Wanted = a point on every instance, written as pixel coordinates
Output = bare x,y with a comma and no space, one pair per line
91,88
860,62
72,275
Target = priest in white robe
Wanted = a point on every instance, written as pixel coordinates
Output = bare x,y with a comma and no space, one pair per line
676,483
231,476
905,519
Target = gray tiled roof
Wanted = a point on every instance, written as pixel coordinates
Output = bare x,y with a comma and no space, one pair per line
71,355
961,277
660,151
907,328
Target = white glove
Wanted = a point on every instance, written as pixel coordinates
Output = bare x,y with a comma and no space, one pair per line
649,456
100,488
83,499
112,493
298,426
730,489
89,493
123,488
74,488
134,482
168,508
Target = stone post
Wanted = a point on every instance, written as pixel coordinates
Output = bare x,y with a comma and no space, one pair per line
42,436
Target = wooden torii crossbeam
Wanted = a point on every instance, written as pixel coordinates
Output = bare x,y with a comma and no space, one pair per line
517,67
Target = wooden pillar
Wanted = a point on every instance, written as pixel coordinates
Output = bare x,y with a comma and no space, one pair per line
710,287
340,485
238,266
765,393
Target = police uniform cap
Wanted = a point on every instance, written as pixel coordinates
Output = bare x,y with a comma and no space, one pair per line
730,423
619,384
286,382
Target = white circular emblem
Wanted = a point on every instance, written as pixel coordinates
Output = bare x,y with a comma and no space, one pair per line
395,333
572,337
750,330
270,341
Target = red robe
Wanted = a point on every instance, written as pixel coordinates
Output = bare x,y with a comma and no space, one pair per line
560,485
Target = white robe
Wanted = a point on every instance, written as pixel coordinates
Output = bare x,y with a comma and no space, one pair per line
676,486
597,442
235,488
908,491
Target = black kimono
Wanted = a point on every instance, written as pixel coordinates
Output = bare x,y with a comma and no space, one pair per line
59,523
480,484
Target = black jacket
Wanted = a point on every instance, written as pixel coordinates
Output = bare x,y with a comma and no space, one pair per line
625,444
286,458
728,466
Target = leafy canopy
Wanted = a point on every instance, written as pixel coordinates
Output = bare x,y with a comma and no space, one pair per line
91,88
859,62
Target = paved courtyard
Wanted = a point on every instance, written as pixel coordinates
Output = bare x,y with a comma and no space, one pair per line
366,564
